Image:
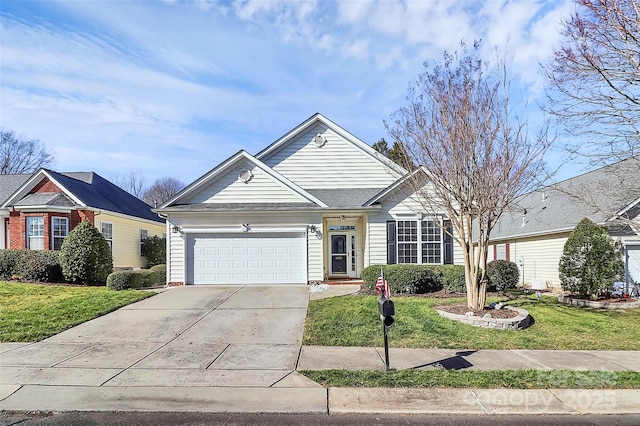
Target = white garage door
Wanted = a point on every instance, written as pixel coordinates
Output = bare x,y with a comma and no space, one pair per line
247,259
633,264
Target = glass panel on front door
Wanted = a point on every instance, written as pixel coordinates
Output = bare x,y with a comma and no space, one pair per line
338,254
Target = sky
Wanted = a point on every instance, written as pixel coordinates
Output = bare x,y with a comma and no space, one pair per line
172,88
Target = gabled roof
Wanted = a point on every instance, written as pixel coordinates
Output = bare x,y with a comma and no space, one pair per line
355,141
389,189
83,189
225,166
9,184
600,195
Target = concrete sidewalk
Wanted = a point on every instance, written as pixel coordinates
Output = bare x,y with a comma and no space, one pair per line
238,349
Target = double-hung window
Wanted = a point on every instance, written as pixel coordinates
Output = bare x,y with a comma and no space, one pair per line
35,232
106,229
144,234
419,241
59,230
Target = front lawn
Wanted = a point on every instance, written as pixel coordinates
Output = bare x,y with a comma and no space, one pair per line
494,379
32,312
354,321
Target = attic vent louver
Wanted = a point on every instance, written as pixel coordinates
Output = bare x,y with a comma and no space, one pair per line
319,140
245,176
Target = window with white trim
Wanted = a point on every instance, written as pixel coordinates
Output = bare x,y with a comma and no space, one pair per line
106,229
144,234
501,252
419,241
59,230
35,232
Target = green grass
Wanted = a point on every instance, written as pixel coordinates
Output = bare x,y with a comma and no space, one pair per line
354,321
495,379
32,312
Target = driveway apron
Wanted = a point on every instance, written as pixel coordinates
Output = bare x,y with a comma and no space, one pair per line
240,336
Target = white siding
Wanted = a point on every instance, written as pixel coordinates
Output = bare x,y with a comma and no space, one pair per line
176,251
398,205
261,188
541,257
337,164
315,254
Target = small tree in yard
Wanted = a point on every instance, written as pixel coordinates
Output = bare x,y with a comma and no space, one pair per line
154,249
85,256
590,261
475,153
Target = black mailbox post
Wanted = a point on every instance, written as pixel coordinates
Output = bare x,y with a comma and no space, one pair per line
387,311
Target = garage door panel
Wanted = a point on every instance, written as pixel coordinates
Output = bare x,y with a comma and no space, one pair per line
242,259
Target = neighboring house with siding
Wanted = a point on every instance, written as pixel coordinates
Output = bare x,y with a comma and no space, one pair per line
38,210
534,231
317,204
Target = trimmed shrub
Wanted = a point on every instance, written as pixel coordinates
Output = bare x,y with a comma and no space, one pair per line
406,278
453,278
39,266
8,260
119,280
161,274
143,278
85,256
154,249
503,274
590,261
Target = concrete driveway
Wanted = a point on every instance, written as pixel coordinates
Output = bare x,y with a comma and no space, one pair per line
186,336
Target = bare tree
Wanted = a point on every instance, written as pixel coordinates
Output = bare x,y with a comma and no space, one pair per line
162,190
19,155
594,79
474,152
133,183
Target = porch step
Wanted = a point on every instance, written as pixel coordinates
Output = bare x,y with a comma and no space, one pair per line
341,282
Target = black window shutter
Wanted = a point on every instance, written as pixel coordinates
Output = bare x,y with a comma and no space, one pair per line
391,242
448,243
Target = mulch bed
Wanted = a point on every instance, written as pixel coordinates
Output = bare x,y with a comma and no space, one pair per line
463,309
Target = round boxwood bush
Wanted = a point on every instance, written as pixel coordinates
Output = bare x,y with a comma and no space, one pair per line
161,274
85,256
119,280
503,274
9,258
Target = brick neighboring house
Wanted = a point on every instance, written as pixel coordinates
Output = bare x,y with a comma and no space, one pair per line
38,210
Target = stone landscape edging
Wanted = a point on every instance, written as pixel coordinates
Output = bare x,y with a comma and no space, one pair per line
575,301
519,322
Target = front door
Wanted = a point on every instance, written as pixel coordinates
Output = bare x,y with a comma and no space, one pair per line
343,254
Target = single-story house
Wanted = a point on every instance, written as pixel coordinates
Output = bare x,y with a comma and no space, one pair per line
38,210
317,204
534,231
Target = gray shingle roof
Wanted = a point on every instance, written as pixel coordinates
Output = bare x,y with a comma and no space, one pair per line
9,184
345,197
46,199
597,195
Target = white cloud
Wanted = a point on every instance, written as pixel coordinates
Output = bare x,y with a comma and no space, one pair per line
185,85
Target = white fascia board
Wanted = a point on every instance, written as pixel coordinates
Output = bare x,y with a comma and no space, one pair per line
230,162
196,184
358,143
284,181
391,188
239,229
625,209
44,208
126,216
24,189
